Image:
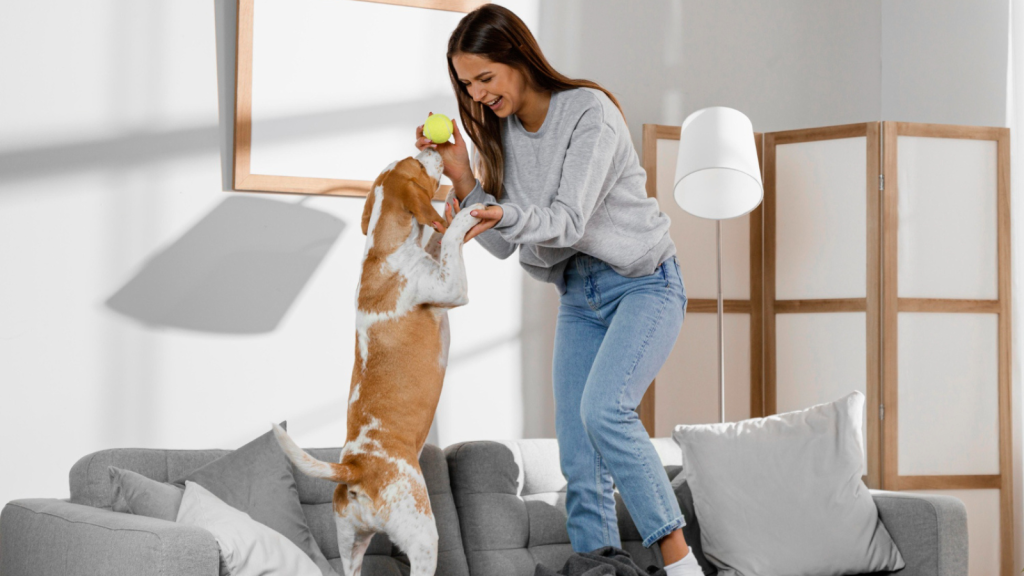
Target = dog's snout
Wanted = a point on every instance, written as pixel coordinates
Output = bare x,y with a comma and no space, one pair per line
432,162
428,151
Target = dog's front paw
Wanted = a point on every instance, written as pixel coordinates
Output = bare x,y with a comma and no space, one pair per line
450,197
465,220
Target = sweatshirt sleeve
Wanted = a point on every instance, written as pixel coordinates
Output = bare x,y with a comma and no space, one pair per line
490,239
586,165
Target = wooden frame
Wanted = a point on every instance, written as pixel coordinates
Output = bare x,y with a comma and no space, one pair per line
870,304
893,305
651,134
243,179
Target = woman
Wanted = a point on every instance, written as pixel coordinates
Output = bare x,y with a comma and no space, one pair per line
567,189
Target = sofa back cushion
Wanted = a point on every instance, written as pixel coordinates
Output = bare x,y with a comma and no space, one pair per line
90,486
511,501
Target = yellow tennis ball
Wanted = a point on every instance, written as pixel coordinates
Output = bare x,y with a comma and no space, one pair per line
438,128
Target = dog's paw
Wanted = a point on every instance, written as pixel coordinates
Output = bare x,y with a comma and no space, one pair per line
465,219
448,199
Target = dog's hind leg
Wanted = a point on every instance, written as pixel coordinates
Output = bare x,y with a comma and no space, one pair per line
359,547
410,523
352,546
417,537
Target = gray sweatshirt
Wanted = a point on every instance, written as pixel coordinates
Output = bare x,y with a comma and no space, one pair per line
575,185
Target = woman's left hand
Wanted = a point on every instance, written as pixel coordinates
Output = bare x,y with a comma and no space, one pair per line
489,216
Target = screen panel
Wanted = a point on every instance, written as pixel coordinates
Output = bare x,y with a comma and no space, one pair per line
949,394
820,358
821,216
947,218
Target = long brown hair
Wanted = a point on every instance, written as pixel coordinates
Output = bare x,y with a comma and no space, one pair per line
496,33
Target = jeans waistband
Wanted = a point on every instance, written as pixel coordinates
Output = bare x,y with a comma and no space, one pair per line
589,262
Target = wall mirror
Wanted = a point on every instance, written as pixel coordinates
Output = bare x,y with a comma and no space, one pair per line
329,92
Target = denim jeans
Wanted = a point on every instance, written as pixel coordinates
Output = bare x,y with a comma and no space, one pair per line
612,337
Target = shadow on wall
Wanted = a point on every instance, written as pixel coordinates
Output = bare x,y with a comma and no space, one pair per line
238,271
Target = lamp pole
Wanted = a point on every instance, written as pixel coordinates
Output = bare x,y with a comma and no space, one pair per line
721,330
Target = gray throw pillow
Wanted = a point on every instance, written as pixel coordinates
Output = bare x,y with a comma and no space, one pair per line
133,493
247,548
783,494
258,480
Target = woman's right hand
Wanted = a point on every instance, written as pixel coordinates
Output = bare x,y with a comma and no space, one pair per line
454,154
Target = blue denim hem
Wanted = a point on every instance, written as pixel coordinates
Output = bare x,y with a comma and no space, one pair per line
666,529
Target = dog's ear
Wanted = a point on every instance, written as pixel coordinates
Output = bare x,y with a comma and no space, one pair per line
367,210
416,199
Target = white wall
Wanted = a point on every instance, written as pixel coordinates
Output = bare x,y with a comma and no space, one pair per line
945,62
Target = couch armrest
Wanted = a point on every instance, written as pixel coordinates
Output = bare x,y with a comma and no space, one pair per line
930,531
50,536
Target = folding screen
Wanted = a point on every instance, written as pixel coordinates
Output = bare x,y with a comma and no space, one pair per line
886,270
946,325
687,387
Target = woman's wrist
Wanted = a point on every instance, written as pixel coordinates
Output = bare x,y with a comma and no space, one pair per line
464,187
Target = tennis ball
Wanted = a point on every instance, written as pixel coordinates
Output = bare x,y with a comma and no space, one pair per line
438,128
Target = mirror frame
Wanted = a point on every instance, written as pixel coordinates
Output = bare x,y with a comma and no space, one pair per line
243,180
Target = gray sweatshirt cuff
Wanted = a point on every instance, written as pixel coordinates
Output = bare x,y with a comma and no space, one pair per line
475,195
509,211
510,214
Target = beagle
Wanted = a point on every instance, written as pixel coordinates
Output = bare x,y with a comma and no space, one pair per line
407,285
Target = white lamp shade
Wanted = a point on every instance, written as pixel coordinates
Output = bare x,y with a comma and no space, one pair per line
717,174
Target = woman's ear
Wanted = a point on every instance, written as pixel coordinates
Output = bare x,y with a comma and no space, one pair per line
417,201
367,210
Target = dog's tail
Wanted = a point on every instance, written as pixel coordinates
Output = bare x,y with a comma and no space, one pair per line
310,466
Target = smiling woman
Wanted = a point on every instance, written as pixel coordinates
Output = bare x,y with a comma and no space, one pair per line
318,112
563,185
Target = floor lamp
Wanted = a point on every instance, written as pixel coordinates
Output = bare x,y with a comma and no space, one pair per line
718,177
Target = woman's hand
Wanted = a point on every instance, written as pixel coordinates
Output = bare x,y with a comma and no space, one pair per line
454,155
489,216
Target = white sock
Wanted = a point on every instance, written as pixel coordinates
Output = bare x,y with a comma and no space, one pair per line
685,566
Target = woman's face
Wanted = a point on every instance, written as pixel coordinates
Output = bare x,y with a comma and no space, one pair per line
488,81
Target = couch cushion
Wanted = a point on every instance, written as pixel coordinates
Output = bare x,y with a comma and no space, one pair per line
90,485
510,496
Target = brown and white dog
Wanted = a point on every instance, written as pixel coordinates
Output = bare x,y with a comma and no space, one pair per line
408,282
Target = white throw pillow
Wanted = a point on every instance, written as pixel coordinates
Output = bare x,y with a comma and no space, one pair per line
247,548
783,494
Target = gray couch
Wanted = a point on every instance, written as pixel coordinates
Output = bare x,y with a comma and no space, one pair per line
500,510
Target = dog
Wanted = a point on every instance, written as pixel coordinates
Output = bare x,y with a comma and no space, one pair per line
408,283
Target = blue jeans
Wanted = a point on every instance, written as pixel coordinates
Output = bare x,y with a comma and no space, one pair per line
612,337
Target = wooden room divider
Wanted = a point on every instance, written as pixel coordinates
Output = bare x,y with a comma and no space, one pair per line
884,267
